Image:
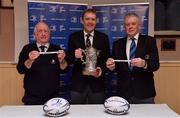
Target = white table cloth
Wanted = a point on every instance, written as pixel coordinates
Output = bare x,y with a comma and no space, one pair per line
91,111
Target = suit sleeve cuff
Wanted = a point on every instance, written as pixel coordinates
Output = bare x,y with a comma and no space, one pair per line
145,65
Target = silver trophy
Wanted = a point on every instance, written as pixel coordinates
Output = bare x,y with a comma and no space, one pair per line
91,55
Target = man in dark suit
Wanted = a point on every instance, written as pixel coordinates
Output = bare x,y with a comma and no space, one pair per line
41,79
139,59
88,88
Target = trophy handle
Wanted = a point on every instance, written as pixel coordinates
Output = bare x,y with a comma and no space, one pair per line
98,52
83,61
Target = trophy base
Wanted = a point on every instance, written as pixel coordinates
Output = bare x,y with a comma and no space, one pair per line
90,73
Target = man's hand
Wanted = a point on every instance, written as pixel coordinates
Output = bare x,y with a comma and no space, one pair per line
98,72
32,56
61,55
110,64
78,53
138,62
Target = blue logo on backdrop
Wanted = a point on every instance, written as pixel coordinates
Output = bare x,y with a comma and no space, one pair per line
110,19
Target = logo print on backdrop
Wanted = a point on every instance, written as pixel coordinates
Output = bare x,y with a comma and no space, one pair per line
61,28
53,28
97,20
123,10
33,18
74,19
31,28
105,19
143,18
42,18
122,28
62,46
32,37
114,28
61,9
114,10
52,9
142,28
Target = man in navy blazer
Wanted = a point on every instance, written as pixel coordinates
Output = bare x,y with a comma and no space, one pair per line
41,71
87,88
135,83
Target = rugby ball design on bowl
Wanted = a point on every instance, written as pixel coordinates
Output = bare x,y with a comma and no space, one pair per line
116,105
56,107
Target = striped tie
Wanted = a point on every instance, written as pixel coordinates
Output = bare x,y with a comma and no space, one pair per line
132,51
88,42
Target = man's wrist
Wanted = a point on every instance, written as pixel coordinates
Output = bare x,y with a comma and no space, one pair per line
28,63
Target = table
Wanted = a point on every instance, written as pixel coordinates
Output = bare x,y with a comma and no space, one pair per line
91,111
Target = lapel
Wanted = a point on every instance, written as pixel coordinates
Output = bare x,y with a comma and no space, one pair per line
50,48
95,39
35,47
140,46
124,48
120,52
124,51
82,40
120,49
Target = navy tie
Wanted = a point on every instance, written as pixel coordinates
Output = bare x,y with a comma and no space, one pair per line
132,51
88,42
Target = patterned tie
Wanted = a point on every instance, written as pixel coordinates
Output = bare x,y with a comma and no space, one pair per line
88,42
42,47
132,51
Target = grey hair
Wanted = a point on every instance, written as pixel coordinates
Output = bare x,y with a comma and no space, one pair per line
35,27
131,14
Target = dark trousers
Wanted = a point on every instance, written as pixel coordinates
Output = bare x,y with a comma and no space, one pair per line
29,99
87,97
135,100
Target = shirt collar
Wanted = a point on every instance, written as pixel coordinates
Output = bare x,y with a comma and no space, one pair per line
85,33
38,45
135,37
